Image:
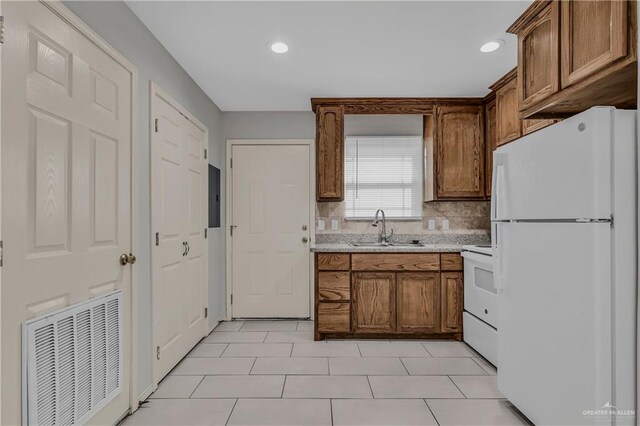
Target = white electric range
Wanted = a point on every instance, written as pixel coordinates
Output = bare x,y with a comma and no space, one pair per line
480,319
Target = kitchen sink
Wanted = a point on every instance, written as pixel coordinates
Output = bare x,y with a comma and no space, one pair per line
386,245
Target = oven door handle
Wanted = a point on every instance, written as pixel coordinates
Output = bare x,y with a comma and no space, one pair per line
479,259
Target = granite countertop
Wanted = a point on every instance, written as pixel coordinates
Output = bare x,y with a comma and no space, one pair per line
347,248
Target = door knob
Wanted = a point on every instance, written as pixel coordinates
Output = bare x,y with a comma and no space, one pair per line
305,239
127,258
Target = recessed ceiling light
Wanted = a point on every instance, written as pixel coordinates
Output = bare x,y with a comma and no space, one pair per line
491,46
279,47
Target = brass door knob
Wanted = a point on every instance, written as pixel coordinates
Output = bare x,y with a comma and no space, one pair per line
127,258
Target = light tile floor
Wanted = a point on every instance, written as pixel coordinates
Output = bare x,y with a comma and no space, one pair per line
273,373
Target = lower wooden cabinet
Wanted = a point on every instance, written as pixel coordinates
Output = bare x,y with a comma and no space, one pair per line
373,302
418,302
414,294
333,318
451,304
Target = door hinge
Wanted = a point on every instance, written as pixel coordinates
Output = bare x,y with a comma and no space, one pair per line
1,253
156,125
205,232
158,353
231,163
232,299
1,29
157,238
231,229
205,154
206,312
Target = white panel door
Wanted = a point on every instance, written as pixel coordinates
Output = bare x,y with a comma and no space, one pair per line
179,252
270,212
555,321
66,182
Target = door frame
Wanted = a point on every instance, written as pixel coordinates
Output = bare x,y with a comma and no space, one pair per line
229,210
71,19
156,91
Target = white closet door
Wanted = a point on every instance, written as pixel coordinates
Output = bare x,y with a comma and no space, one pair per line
66,182
179,251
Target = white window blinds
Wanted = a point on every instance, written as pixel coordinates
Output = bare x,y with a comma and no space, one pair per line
384,172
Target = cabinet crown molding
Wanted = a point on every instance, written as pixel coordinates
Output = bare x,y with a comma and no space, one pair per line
527,16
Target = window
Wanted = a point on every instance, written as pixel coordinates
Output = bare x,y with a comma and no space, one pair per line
384,172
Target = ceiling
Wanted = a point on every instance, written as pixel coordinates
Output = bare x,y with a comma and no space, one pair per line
337,49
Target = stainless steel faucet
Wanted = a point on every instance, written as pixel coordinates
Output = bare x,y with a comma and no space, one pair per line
382,233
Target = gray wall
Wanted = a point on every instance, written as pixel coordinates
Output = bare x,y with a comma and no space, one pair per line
302,125
269,125
117,24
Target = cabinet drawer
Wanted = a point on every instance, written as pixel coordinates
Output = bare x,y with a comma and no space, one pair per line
333,317
396,262
334,286
332,262
451,262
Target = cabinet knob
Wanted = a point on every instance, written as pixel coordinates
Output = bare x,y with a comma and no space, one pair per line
305,240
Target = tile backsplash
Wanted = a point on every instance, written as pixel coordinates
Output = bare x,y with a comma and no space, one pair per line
465,217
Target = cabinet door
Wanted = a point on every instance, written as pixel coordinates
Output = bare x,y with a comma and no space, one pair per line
530,126
418,302
507,117
459,152
329,153
490,140
373,302
594,35
451,306
538,57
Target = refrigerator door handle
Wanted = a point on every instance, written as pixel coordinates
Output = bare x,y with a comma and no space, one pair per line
498,164
497,257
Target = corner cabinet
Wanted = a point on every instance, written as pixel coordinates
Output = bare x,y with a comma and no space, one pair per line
490,140
508,127
388,294
459,152
330,153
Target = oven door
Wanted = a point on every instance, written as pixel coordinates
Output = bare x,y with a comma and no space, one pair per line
480,295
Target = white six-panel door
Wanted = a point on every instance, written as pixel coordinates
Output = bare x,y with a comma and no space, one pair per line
66,182
270,219
179,251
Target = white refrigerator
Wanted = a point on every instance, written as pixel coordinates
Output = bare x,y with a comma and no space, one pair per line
564,218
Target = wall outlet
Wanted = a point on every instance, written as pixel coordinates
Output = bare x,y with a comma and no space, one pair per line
431,224
335,224
320,224
445,223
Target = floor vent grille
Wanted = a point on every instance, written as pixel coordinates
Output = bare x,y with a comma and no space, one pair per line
72,362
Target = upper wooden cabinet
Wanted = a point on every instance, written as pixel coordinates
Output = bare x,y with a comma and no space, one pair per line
458,152
330,153
508,125
594,35
538,58
576,54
